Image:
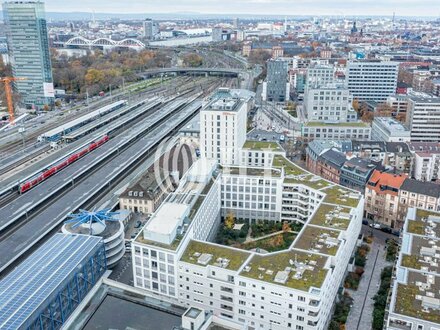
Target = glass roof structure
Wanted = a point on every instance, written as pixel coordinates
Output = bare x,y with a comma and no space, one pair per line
26,291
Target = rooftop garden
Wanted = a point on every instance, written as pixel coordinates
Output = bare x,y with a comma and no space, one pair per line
262,236
236,258
407,304
262,145
324,124
289,167
341,196
266,267
329,216
318,240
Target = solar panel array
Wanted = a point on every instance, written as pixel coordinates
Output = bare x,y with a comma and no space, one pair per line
29,286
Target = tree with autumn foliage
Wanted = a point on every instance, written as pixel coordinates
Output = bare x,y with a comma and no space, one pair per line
384,110
230,221
286,226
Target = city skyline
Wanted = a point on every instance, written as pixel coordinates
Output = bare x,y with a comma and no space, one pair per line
256,7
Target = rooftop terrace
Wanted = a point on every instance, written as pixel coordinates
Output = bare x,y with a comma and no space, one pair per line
203,254
289,167
295,269
423,255
252,171
318,240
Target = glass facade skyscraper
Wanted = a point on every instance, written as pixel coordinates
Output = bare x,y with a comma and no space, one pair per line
28,46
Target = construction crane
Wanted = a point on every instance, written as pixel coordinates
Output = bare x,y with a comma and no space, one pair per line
8,90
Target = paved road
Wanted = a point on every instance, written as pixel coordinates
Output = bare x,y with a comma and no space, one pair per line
361,313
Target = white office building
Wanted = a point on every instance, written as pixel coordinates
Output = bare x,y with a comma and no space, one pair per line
293,288
415,292
223,126
359,131
388,129
372,80
320,76
332,103
423,117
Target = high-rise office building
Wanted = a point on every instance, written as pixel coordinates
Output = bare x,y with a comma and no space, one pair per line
223,127
150,29
423,117
28,46
277,87
372,80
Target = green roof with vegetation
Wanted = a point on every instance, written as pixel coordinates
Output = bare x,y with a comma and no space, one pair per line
262,145
236,257
324,124
407,304
318,240
411,261
309,180
266,267
328,216
341,196
289,167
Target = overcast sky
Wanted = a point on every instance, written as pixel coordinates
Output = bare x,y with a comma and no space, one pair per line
272,7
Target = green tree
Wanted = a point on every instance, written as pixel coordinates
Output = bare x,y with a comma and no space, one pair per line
230,221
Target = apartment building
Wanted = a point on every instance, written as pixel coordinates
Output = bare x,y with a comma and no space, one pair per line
259,153
147,194
399,103
292,288
415,290
332,103
423,118
426,160
382,198
423,195
319,75
223,126
372,80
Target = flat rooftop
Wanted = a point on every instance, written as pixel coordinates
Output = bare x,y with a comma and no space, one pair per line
359,124
332,216
426,223
204,254
391,124
295,269
341,196
167,218
262,145
31,284
251,171
319,240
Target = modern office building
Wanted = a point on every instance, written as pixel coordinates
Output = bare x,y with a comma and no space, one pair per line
329,104
388,129
277,87
336,131
293,288
423,117
29,54
150,29
372,80
44,290
223,120
320,76
415,294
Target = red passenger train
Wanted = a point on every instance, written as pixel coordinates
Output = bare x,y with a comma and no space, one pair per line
37,178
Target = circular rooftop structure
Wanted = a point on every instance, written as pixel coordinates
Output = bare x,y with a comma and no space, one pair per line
103,224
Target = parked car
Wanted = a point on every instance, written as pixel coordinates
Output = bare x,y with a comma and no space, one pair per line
396,233
375,226
386,230
365,222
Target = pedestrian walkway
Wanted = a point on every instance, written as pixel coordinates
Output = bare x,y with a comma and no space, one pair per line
361,313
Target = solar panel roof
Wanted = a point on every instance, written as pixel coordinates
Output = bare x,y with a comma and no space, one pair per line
27,287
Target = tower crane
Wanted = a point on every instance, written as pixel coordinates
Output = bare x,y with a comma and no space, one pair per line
8,90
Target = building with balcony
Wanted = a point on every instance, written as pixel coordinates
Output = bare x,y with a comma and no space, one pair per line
174,255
